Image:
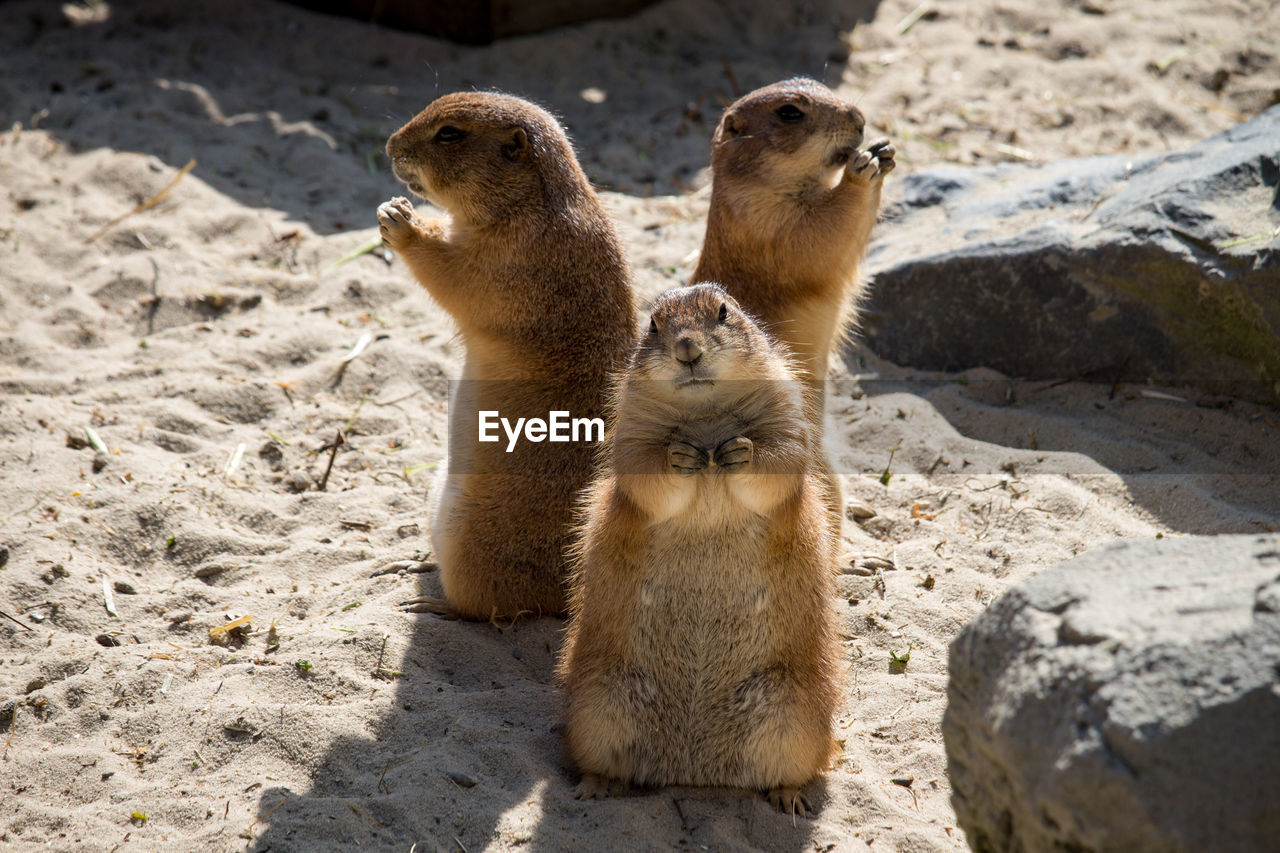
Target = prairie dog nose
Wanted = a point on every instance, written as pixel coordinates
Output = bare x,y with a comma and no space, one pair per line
687,351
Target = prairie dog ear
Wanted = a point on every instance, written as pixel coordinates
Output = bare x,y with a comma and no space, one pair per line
732,126
517,146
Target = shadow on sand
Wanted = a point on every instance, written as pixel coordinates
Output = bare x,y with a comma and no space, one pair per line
248,90
1195,462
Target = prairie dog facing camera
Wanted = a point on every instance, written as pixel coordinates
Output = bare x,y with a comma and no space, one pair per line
701,648
529,267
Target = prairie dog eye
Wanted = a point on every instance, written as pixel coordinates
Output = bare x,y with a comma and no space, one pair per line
653,326
449,133
724,312
790,112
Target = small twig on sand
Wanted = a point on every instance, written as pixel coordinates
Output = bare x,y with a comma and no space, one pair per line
39,501
905,782
1119,375
154,305
680,812
15,620
146,205
397,399
268,814
13,726
332,447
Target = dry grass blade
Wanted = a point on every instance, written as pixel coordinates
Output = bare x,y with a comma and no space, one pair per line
364,341
96,440
410,470
146,205
1014,151
108,598
230,626
364,814
916,512
362,249
269,811
234,461
1264,235
913,17
1160,395
1210,105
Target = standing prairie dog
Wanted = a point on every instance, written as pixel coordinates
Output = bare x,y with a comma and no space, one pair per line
529,267
792,205
701,648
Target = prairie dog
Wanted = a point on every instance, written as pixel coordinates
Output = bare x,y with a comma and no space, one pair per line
529,267
701,648
793,200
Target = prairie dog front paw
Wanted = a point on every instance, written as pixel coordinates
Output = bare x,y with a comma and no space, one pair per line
873,164
884,152
399,225
734,453
685,458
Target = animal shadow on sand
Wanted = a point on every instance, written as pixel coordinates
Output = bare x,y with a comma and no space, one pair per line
467,753
315,98
1196,462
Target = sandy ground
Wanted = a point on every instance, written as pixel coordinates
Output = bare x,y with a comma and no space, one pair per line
202,343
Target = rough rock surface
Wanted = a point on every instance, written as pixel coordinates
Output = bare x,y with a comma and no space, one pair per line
1162,267
1127,700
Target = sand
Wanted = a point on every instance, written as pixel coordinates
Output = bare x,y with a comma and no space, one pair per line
202,341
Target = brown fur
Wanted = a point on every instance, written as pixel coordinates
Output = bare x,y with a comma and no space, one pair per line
529,267
792,205
701,648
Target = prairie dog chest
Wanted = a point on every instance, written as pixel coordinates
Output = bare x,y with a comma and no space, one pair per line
706,590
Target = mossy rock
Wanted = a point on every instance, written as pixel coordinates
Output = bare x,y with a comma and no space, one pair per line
1162,269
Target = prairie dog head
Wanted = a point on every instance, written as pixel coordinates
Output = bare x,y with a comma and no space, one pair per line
792,136
697,337
483,157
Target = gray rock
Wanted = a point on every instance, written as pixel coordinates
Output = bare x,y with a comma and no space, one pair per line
1162,267
1128,700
